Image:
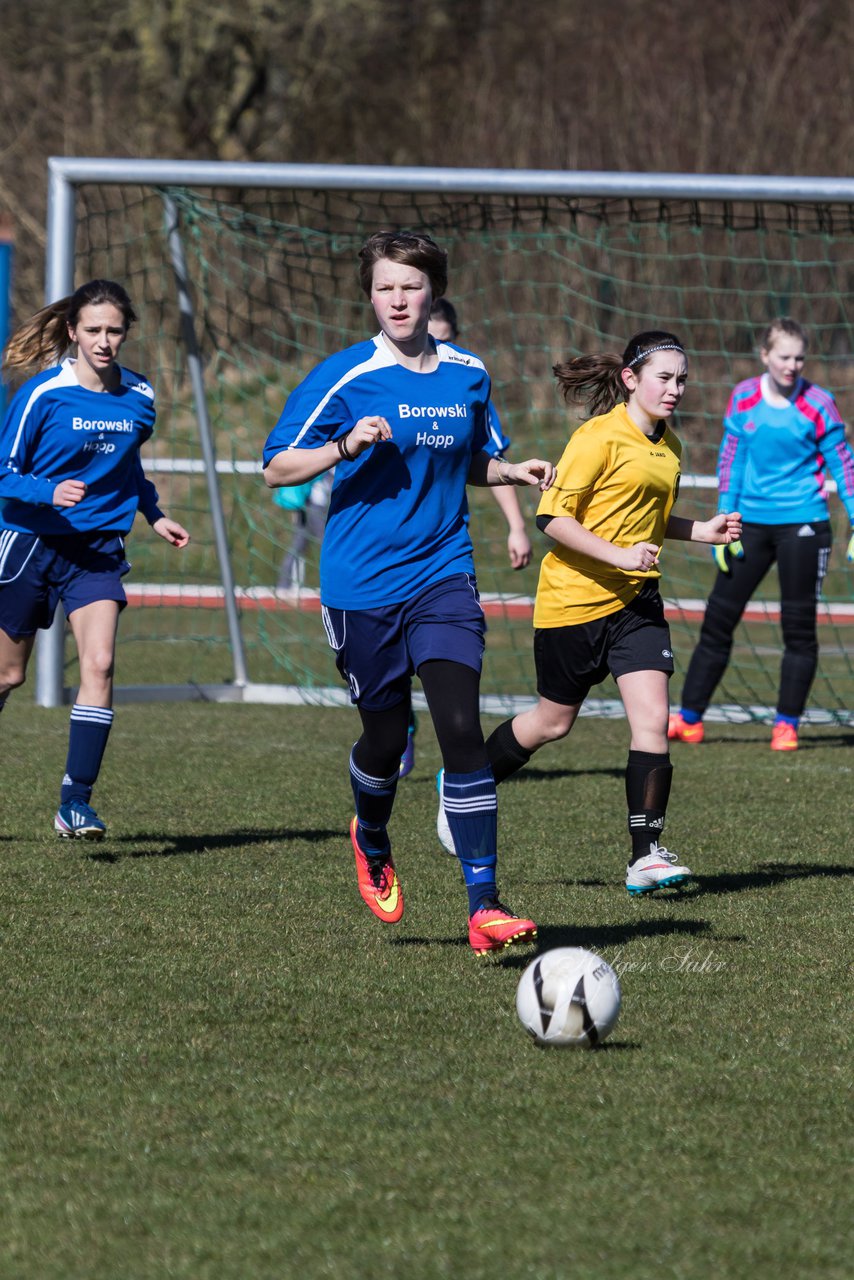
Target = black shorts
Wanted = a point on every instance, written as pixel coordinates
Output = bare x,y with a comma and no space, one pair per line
570,660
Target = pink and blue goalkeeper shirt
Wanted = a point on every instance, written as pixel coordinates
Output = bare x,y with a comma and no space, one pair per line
773,461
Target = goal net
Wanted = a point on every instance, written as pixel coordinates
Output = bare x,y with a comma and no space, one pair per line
535,276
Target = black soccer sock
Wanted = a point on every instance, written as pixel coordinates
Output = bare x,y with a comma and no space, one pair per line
648,779
373,798
505,753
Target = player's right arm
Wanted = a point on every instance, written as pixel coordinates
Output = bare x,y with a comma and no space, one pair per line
319,427
567,531
732,457
560,514
18,437
295,466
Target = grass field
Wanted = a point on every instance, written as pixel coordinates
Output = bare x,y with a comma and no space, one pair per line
217,1063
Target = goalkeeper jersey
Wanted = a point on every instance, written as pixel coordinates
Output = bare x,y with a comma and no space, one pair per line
621,485
771,464
56,430
398,515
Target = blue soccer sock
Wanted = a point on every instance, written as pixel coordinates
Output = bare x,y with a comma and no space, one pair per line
690,717
794,721
374,799
87,742
471,807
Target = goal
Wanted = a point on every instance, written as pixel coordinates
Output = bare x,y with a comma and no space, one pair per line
244,277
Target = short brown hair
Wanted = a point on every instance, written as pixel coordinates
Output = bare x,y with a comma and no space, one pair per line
413,248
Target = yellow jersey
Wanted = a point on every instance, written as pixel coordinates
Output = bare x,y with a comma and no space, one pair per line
621,485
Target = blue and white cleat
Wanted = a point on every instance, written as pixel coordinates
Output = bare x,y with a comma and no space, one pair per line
77,819
443,828
407,760
658,869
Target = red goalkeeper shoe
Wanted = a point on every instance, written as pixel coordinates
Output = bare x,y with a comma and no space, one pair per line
784,737
679,730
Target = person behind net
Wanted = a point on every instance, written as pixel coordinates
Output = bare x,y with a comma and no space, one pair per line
71,482
307,504
598,608
780,430
405,423
444,327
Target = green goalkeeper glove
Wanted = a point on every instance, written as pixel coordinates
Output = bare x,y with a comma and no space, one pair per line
850,553
736,551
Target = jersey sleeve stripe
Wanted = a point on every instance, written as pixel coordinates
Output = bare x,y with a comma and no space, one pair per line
62,377
377,361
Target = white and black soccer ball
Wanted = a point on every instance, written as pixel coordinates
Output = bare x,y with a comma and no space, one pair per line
569,997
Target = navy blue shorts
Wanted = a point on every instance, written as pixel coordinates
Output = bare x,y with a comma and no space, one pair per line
37,573
571,660
378,651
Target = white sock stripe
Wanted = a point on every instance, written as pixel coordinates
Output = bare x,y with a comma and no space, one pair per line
372,784
479,804
93,715
464,786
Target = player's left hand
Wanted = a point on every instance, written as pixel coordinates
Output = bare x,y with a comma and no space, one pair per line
171,531
519,548
849,555
533,471
723,529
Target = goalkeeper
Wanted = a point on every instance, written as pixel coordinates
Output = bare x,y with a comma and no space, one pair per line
779,432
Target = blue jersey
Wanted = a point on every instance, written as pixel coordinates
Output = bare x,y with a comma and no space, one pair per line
498,443
771,465
398,515
56,430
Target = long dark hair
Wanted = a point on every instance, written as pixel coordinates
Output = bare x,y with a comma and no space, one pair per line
43,339
597,380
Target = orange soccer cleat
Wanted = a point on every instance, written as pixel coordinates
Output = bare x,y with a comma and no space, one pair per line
784,737
494,927
682,732
378,882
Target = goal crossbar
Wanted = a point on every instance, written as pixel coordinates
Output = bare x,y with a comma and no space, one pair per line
67,175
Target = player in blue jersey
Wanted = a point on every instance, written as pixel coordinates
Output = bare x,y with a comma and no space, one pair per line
71,482
780,431
444,327
404,420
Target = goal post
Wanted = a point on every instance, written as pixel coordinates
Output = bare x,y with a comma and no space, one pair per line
244,277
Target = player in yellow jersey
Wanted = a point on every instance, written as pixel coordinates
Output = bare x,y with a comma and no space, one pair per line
598,608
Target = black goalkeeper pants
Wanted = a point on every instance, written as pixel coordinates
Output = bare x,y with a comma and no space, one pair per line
801,560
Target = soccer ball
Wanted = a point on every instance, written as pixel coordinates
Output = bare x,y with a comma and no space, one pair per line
570,997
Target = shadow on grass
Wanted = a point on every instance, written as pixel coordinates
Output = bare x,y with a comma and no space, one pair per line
840,739
608,1046
764,876
714,738
533,774
180,846
591,937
